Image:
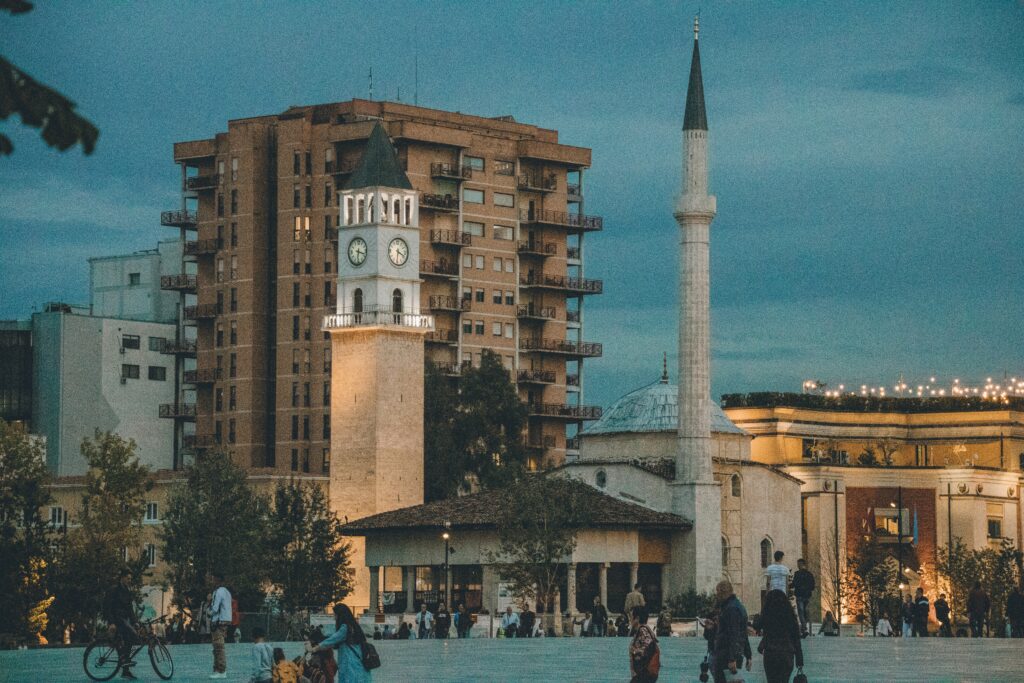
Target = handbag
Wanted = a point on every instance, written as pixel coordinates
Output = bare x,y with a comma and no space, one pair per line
800,677
653,666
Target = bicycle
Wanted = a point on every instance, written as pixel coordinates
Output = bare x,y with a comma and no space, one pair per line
102,661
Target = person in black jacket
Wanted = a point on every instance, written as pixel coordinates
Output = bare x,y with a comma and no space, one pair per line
527,618
942,615
780,643
803,586
442,621
120,613
600,622
731,643
921,608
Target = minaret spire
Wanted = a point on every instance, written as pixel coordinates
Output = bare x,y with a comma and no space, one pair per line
664,367
695,117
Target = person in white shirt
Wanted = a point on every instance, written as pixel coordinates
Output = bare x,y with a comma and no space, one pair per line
777,574
220,619
424,622
510,622
883,628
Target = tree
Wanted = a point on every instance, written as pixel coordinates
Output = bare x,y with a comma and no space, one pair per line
108,533
537,526
691,604
997,570
873,581
309,561
215,522
40,106
24,534
834,582
474,437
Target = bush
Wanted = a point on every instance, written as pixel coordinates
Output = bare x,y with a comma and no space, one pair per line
691,604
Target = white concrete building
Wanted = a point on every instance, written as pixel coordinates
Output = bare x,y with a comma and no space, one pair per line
127,286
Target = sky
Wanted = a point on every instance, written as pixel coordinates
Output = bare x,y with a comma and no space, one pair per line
867,157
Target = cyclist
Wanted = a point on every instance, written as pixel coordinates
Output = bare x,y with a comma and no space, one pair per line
120,612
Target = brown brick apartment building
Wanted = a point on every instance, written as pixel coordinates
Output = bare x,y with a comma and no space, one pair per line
502,246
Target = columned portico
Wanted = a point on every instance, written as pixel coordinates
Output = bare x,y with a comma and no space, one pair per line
570,588
409,581
374,589
602,582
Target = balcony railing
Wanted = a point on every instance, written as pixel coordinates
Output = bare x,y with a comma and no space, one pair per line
537,182
178,411
440,202
540,442
203,376
452,369
185,347
449,303
371,318
538,248
178,219
572,380
572,316
439,268
442,337
565,411
574,192
203,182
562,346
572,284
440,169
562,219
572,443
536,377
572,253
202,311
453,237
340,167
202,247
182,282
536,312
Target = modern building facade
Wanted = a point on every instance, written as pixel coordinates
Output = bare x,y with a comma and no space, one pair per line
16,371
127,286
501,245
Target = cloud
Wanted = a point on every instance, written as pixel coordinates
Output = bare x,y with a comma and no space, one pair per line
1017,99
106,203
922,80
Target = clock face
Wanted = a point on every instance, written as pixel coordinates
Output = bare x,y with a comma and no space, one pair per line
398,251
357,251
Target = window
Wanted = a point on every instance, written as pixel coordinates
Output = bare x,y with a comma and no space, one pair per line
357,301
328,259
327,393
295,427
305,460
134,278
503,232
328,158
510,265
737,486
295,328
467,326
510,297
766,552
467,262
234,202
231,430
296,196
503,199
309,162
131,341
220,204
295,295
158,373
510,330
152,512
232,398
479,262
234,300
890,522
327,461
218,399
234,168
296,262
234,332
295,361
725,552
58,516
473,196
480,295
496,265
473,228
307,297
234,267
601,479
295,394
297,163
327,195
309,196
220,168
218,432
308,253
504,167
994,513
295,460
157,343
234,234
306,365
467,293
396,301
306,329
479,326
220,270
328,293
232,365
305,395
475,163
496,329
150,555
297,229
496,296
129,371
220,335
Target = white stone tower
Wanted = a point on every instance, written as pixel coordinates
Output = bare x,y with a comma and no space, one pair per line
696,495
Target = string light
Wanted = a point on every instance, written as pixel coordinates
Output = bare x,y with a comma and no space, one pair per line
989,390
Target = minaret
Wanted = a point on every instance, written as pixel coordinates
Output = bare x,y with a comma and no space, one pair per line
696,495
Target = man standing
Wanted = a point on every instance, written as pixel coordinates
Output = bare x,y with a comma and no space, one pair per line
220,619
920,614
731,644
776,575
942,614
1015,612
600,617
633,599
907,613
442,621
526,621
978,605
424,622
120,613
803,586
463,621
510,622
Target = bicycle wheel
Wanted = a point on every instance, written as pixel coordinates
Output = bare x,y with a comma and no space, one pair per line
101,661
160,658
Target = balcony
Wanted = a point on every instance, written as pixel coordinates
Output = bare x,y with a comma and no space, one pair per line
574,192
536,377
539,443
186,347
440,202
439,269
204,376
181,283
203,182
178,219
542,249
572,253
531,312
198,441
202,247
565,411
562,346
573,444
340,167
379,317
202,311
537,182
452,369
562,219
453,237
450,171
572,317
442,337
561,282
178,411
449,303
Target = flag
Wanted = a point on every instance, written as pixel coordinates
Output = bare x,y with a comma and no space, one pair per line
915,525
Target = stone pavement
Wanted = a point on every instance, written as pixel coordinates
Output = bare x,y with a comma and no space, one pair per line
582,659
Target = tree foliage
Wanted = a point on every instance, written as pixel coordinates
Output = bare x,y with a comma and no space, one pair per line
309,560
215,522
473,437
873,582
691,604
38,105
24,534
998,570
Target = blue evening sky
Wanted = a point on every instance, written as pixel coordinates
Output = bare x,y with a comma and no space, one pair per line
868,157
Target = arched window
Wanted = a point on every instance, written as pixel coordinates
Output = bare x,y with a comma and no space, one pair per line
398,210
766,551
357,301
737,486
360,210
408,211
349,215
372,202
396,301
725,552
601,479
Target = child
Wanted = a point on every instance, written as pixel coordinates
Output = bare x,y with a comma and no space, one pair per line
262,658
286,671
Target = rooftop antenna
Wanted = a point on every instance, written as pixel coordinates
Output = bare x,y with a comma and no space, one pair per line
371,83
696,25
416,87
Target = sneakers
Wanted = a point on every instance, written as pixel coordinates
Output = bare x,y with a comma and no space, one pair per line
222,674
127,674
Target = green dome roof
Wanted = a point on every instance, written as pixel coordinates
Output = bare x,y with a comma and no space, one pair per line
653,408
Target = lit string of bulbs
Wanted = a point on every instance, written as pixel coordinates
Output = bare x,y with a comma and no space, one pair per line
991,389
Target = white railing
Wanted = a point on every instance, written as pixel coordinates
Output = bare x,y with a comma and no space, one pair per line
372,318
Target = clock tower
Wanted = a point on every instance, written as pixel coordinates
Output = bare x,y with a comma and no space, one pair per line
377,353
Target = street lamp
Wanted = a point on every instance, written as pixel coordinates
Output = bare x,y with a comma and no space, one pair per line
446,536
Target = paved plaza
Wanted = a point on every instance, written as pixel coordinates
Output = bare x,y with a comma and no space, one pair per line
582,659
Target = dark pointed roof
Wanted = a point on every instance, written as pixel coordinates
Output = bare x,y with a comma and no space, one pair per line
379,166
695,118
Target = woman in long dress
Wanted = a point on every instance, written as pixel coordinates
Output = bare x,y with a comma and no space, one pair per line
348,639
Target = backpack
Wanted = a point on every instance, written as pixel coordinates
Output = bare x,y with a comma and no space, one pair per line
369,656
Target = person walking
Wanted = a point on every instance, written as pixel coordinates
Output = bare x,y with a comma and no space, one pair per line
600,617
731,644
120,613
442,621
829,625
803,587
921,608
424,622
634,599
527,619
907,616
1015,612
776,575
463,621
942,616
348,639
220,619
780,640
978,605
644,653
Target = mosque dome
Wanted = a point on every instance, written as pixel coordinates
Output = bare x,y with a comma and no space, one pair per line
653,408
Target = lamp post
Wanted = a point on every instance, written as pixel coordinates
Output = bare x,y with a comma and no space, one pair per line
446,536
899,535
